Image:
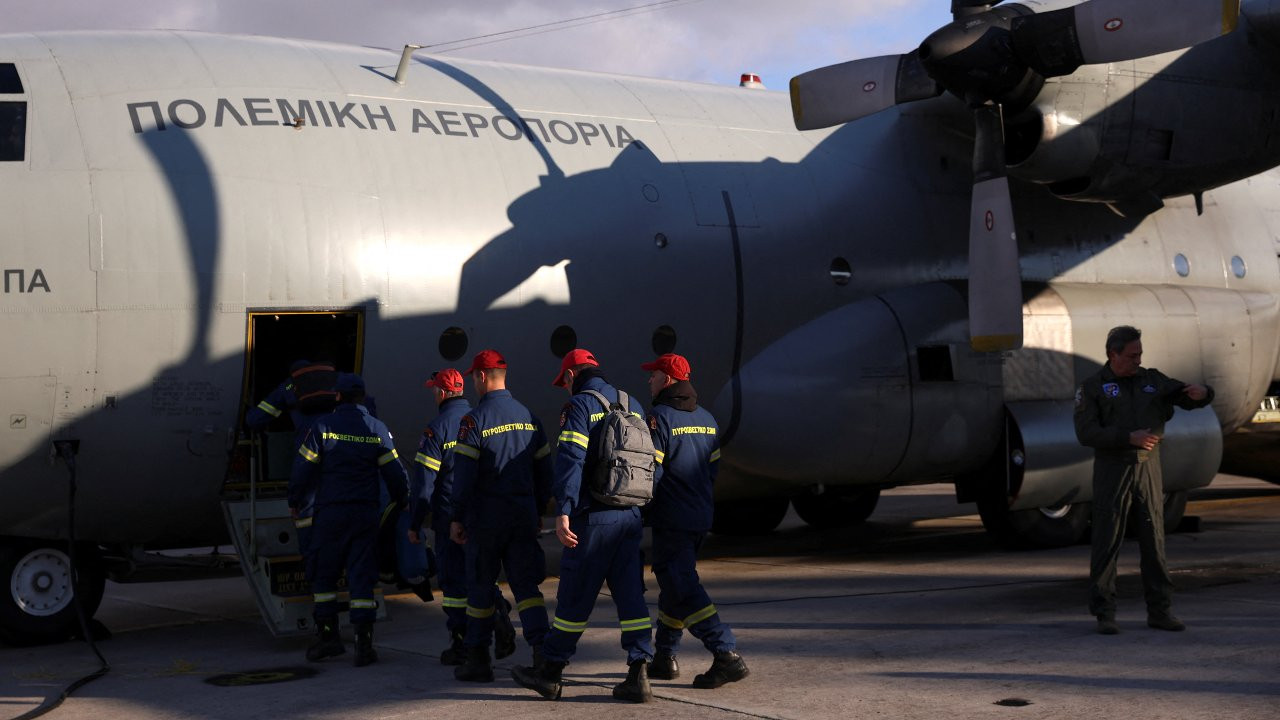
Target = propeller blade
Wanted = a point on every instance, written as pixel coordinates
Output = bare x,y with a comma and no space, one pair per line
995,280
841,93
1056,42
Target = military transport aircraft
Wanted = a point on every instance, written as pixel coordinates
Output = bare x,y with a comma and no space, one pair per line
907,290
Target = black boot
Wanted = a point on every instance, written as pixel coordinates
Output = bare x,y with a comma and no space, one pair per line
365,654
504,633
423,590
477,667
455,654
664,666
726,668
543,678
328,642
636,687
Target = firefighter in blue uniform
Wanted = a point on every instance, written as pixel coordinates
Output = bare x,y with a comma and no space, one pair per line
601,544
686,439
501,482
432,484
341,461
315,382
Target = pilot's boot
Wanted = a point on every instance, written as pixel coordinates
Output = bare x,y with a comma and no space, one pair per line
455,654
328,641
1164,620
504,633
542,678
477,667
1107,625
636,687
726,668
365,654
664,666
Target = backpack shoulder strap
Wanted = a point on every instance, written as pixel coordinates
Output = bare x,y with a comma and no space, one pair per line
599,398
624,401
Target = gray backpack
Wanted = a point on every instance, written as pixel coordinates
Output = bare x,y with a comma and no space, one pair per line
620,456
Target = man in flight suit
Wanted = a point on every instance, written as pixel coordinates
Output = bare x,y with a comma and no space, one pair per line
1120,413
688,447
501,482
432,484
601,543
341,461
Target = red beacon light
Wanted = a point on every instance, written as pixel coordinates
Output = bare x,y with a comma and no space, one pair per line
751,81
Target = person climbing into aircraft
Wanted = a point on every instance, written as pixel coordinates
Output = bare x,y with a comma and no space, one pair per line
341,461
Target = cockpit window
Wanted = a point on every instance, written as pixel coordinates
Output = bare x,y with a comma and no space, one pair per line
13,131
10,83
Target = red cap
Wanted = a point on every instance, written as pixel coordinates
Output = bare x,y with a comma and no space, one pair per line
673,365
448,380
487,360
574,359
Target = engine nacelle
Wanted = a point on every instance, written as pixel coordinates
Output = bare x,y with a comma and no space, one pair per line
1130,134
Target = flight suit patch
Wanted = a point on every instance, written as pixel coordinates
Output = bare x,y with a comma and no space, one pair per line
564,415
1111,389
1149,389
653,422
465,427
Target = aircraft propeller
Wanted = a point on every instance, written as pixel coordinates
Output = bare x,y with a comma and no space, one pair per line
997,59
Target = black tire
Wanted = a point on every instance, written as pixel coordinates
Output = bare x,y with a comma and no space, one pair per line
749,517
1175,506
1037,527
36,599
836,509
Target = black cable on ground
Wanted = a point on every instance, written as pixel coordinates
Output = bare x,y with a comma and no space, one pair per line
67,451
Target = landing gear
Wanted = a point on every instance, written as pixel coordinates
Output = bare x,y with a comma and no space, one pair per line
37,600
749,517
1045,527
835,509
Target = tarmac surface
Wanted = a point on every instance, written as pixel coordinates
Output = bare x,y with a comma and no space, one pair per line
916,614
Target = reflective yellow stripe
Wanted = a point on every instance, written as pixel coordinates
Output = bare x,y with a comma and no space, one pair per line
669,621
575,438
468,451
269,409
701,615
543,452
637,624
659,455
530,602
388,457
309,454
430,462
363,604
326,597
568,626
479,613
715,456
303,522
453,602
386,513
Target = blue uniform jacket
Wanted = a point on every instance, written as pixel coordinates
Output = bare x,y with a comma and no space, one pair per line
501,465
688,445
433,466
342,458
577,420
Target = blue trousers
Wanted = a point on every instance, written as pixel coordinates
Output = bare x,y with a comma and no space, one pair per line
682,601
514,548
451,575
344,536
608,551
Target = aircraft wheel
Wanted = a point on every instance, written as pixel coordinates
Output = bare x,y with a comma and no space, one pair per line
836,509
37,601
749,517
1037,527
1175,506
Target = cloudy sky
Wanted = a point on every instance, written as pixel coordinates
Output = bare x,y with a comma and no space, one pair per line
702,40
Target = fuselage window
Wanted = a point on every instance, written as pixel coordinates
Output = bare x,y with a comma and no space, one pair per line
10,83
13,131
